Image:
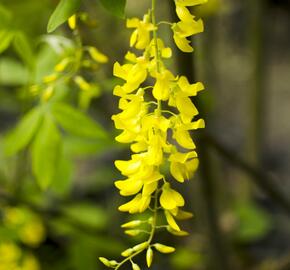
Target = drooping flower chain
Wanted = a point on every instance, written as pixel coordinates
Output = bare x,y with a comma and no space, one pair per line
156,121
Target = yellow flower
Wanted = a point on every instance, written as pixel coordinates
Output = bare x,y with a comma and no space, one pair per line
161,89
183,165
170,199
150,125
182,43
130,186
187,88
155,153
32,233
72,21
140,38
134,75
183,138
97,55
128,167
187,26
137,205
165,52
9,252
171,221
190,2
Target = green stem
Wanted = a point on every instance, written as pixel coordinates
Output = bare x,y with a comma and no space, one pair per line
151,236
157,52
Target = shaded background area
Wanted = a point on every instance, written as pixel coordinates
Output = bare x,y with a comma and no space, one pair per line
240,196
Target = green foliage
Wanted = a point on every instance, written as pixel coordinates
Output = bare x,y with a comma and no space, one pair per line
62,182
6,37
81,147
24,131
76,122
116,7
5,16
88,214
46,151
12,72
184,258
23,48
64,10
253,222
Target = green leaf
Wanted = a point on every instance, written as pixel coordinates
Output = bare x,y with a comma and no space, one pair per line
64,10
24,131
12,72
184,258
62,182
116,7
23,48
87,214
6,37
5,16
76,122
254,222
80,147
46,151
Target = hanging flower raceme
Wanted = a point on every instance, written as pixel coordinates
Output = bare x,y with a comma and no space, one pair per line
159,138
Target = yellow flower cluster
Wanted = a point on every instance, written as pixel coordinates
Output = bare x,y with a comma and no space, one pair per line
74,58
25,224
156,118
26,227
12,258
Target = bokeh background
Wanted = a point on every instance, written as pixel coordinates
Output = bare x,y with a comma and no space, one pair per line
240,195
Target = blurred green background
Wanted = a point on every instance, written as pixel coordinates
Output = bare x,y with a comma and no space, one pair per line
240,196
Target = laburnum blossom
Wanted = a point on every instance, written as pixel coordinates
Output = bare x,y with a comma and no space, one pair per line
187,26
157,116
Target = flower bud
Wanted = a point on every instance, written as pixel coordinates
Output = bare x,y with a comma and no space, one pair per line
135,266
164,249
132,224
97,55
105,261
132,232
127,252
72,22
149,256
140,246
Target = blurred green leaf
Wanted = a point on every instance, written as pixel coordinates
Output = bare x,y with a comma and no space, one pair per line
6,37
23,48
8,234
254,223
116,7
64,10
46,152
62,181
83,253
5,16
24,131
76,122
87,214
184,258
77,146
12,73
